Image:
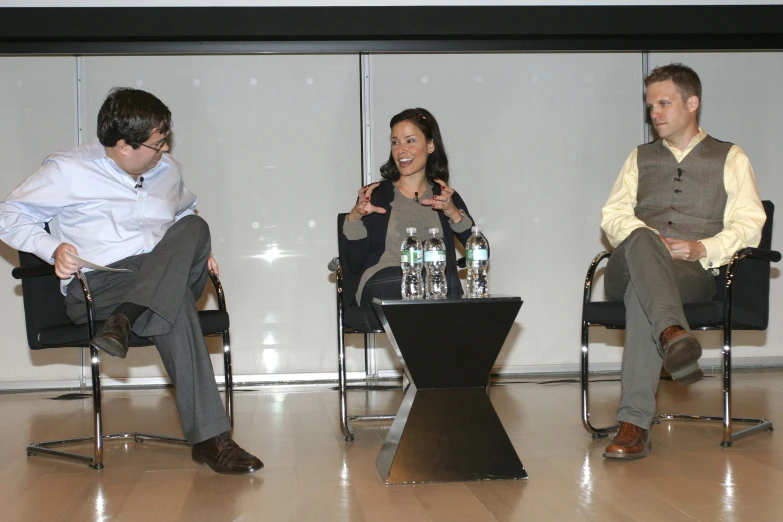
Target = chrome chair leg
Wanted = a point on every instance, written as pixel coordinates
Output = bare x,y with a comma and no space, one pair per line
345,426
95,363
729,436
597,433
229,377
96,460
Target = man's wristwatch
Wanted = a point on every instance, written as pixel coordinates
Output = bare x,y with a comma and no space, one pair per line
461,213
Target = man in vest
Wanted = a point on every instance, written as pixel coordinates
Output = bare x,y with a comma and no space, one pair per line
681,206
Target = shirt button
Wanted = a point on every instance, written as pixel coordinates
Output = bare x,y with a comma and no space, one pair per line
710,263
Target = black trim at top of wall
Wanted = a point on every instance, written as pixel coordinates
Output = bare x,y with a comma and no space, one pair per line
115,30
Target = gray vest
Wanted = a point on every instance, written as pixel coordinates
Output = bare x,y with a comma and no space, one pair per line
682,200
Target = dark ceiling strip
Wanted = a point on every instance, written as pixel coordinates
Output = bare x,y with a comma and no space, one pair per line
388,29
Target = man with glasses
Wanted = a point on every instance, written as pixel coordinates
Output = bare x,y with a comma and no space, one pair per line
120,201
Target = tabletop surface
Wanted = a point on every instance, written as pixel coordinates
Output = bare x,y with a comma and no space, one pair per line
491,298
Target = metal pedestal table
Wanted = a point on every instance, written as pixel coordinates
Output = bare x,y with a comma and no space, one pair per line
446,428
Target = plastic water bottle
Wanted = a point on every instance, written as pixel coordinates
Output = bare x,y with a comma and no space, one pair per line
435,265
410,261
477,251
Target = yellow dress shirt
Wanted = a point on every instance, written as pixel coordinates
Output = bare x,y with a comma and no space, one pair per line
743,217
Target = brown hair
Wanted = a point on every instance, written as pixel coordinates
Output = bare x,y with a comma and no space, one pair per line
687,81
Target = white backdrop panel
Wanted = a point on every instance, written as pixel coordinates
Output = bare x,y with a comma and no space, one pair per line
535,142
271,146
37,117
741,103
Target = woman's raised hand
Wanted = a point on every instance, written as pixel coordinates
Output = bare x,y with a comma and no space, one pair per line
363,206
444,202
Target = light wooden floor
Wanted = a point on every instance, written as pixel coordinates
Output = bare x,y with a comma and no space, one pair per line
312,474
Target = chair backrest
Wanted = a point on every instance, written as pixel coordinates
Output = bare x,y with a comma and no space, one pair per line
751,281
44,305
350,280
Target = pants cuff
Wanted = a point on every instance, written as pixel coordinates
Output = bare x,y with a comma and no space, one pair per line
641,422
207,432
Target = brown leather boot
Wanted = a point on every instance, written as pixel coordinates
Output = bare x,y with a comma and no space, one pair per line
631,442
681,352
224,455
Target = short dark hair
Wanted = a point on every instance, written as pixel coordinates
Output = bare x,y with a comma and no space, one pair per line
131,115
687,81
437,161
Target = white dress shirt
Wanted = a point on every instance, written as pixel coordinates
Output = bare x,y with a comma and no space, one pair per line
94,205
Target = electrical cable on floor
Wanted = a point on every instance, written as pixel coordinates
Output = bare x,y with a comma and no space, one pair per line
71,397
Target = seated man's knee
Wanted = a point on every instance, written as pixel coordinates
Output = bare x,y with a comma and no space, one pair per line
642,235
195,223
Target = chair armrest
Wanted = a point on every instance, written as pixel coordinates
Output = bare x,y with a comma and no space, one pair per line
763,254
24,272
758,253
221,296
335,266
591,274
89,303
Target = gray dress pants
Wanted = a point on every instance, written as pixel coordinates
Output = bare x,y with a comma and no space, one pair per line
653,286
169,280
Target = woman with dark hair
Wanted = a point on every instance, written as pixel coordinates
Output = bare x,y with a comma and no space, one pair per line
414,193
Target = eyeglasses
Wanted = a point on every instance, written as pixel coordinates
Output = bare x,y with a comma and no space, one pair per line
156,149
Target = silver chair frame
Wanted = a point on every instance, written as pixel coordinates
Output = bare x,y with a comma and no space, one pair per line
345,419
96,460
727,420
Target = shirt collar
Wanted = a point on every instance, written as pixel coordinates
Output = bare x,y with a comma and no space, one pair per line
96,151
679,154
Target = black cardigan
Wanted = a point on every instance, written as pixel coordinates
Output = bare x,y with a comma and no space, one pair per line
364,253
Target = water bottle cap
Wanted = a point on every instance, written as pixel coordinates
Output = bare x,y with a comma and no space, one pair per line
434,231
410,231
475,229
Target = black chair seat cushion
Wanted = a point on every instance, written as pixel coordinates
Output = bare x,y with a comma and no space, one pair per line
361,319
75,335
699,315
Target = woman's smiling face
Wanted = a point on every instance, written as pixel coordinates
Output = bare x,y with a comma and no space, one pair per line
410,148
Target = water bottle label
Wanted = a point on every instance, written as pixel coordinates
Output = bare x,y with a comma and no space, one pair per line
410,256
432,256
478,254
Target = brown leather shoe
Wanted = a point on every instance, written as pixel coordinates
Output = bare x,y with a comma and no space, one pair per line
224,455
631,442
681,352
115,337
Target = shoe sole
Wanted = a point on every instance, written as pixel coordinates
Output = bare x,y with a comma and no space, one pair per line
682,360
109,346
630,456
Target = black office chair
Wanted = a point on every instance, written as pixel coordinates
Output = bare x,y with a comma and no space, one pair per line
741,302
48,326
350,320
